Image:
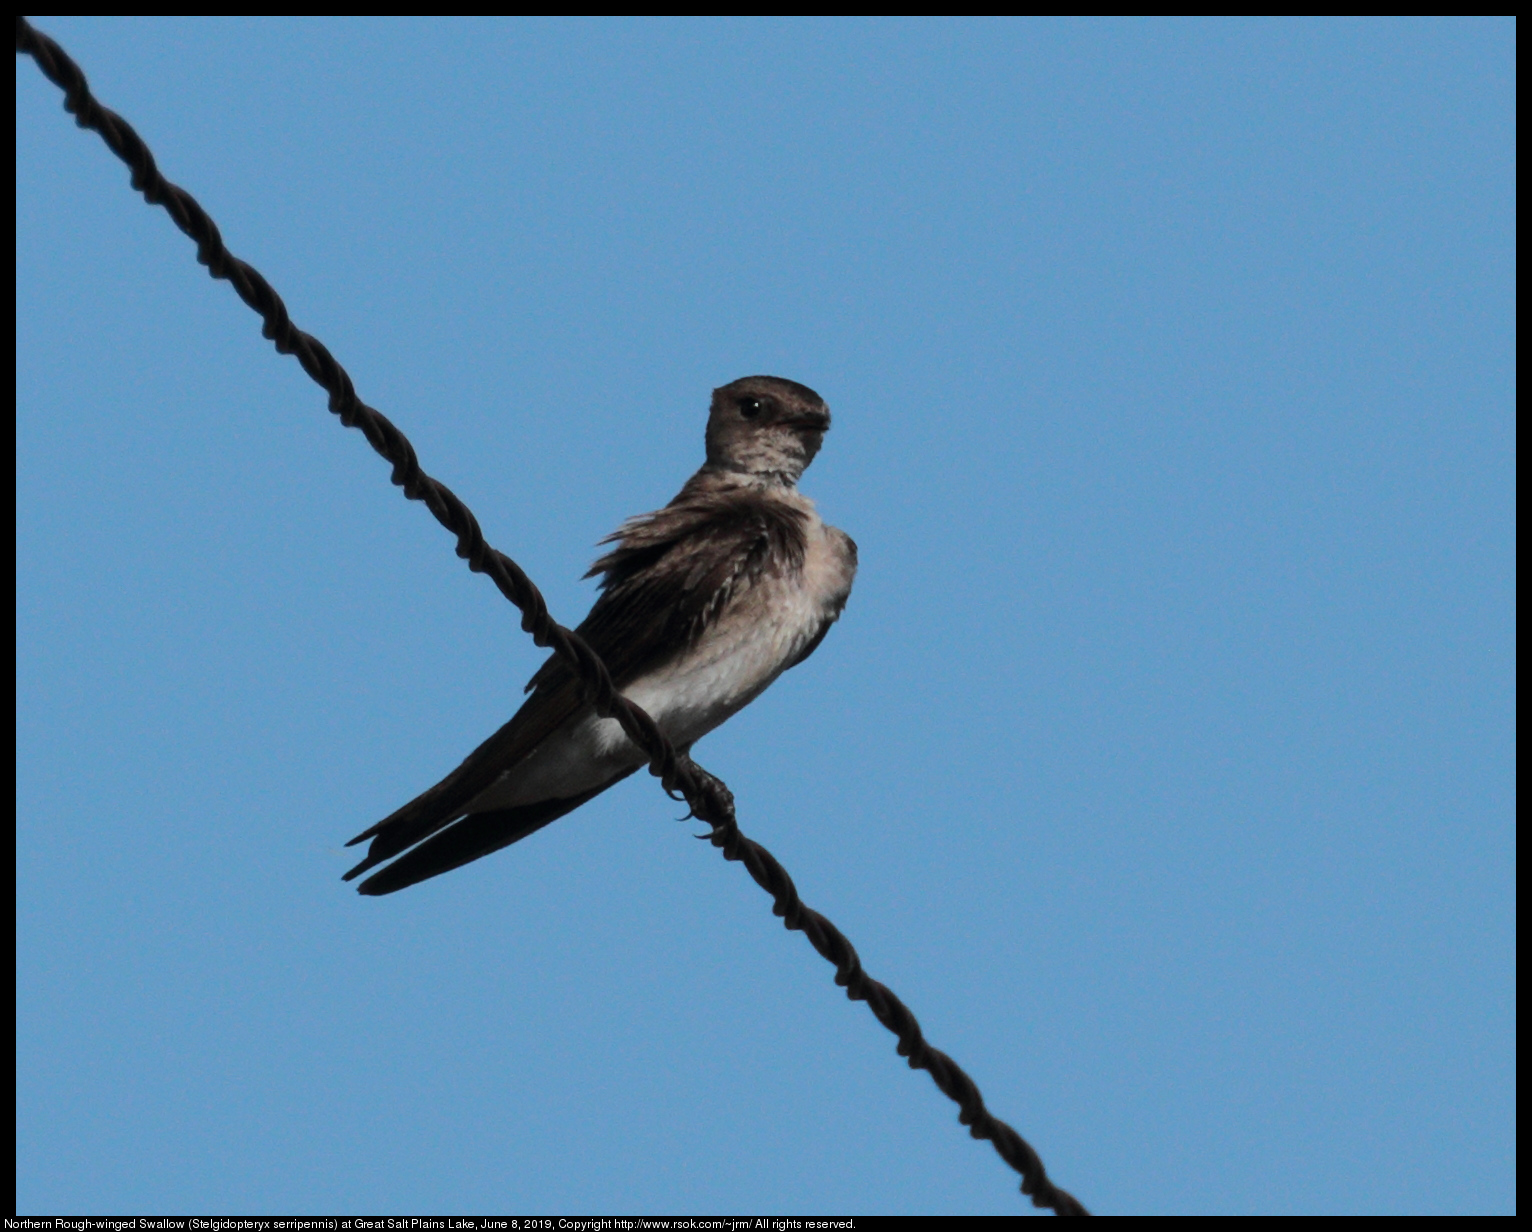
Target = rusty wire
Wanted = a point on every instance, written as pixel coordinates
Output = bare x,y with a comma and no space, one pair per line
709,798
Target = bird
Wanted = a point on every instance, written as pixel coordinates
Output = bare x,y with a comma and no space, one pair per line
701,605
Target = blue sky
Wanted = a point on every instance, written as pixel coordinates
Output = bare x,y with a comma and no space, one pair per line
1162,761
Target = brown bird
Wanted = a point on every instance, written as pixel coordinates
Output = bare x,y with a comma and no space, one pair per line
703,604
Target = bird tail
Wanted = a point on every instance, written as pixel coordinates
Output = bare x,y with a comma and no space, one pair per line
443,804
466,840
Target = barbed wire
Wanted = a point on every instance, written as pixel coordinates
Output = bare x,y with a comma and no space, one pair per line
708,797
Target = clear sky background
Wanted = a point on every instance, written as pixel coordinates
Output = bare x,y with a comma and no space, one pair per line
1162,761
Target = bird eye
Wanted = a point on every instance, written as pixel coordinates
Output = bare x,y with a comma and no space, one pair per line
750,407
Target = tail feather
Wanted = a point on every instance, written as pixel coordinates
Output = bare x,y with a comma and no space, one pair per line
438,806
466,840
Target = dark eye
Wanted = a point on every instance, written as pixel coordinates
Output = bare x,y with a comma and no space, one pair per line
751,407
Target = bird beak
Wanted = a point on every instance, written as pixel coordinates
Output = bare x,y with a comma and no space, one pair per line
814,421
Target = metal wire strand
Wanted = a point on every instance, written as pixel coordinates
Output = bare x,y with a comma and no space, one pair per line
709,798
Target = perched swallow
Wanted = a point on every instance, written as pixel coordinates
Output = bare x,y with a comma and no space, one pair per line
703,604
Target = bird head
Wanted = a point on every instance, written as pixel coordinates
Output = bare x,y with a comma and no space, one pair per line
767,427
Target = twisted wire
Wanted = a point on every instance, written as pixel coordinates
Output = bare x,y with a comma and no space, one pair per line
709,799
